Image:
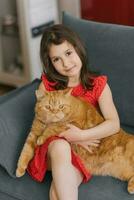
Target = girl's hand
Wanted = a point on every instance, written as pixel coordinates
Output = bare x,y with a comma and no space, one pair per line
73,134
88,145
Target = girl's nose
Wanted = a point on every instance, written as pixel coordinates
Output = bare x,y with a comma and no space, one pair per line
66,63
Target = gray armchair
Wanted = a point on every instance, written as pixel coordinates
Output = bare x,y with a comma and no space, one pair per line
110,50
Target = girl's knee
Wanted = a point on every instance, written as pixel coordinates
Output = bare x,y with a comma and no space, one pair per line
58,147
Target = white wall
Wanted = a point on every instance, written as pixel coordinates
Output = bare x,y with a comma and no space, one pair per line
28,20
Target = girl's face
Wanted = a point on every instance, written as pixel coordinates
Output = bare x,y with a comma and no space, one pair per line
66,60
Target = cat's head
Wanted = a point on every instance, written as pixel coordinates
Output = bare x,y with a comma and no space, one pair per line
54,106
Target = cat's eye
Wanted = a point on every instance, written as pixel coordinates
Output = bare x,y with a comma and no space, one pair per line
61,106
47,107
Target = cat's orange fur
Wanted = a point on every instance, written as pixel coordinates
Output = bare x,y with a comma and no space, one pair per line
54,110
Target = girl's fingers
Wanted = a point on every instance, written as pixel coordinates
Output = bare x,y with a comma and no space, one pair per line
94,144
87,148
91,143
95,141
88,144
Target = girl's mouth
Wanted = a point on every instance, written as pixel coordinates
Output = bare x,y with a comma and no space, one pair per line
70,69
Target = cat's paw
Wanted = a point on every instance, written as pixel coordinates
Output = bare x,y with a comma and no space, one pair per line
20,172
131,189
131,185
40,140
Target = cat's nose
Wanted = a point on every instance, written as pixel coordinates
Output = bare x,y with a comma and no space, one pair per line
55,111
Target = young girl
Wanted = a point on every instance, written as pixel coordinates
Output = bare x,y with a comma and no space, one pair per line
65,65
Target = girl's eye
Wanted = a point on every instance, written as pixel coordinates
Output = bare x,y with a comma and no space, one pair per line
61,106
69,53
56,60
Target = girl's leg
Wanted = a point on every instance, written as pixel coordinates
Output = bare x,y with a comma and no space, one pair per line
65,176
53,193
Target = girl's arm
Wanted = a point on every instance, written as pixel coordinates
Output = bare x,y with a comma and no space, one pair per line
110,126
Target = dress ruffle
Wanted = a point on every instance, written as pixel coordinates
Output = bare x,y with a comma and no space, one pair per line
38,165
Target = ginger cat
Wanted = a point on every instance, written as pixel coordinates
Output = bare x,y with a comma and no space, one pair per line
54,110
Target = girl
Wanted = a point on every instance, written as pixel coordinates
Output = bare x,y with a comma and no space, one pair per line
65,65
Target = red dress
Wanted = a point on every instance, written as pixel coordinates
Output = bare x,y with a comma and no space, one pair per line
38,165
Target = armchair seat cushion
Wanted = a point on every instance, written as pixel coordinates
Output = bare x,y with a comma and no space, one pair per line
98,188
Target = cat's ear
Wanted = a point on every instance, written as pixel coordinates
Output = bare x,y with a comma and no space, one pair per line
68,91
39,94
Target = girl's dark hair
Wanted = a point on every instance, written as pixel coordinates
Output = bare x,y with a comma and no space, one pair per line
57,34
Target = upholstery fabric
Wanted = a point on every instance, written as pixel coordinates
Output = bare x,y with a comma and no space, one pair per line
16,114
110,52
98,188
